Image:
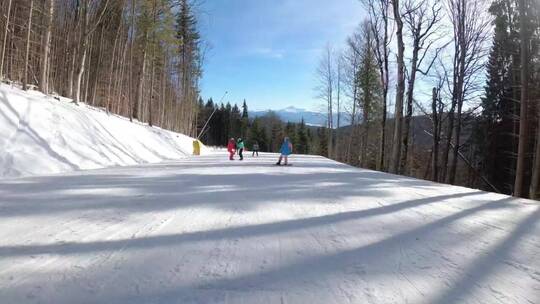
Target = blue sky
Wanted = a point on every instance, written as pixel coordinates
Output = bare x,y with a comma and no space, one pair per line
266,51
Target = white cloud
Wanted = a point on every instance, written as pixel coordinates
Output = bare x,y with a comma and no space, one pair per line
267,52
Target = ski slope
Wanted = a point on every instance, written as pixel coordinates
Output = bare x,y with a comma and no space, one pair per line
43,135
208,230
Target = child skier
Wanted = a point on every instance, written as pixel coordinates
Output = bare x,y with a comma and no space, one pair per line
240,148
255,149
285,150
231,147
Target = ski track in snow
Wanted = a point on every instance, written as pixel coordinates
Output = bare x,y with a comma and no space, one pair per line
208,230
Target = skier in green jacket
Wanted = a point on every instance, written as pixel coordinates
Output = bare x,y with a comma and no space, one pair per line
240,148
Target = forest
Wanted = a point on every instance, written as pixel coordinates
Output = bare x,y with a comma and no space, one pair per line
438,90
141,59
230,121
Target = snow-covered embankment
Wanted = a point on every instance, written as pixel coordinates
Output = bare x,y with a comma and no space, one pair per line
43,135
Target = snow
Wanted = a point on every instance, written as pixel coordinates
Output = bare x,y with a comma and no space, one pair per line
43,135
292,109
208,230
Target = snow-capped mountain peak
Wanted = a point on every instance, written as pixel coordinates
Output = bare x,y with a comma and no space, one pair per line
292,109
294,114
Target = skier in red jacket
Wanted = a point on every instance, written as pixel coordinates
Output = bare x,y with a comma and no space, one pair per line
231,147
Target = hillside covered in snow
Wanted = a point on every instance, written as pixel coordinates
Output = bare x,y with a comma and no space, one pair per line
40,134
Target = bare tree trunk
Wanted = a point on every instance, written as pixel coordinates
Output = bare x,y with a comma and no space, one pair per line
396,148
164,90
26,57
140,86
150,100
124,98
88,70
382,54
451,118
448,142
80,73
150,104
71,72
365,140
44,76
353,115
533,192
97,73
522,146
5,41
131,99
457,93
81,59
111,68
382,144
435,148
457,145
408,116
338,105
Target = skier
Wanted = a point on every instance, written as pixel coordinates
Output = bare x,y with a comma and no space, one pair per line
285,150
231,147
256,149
240,148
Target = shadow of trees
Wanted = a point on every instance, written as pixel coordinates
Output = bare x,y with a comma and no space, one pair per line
234,187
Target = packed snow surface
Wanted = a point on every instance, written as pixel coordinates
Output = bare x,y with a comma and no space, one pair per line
43,135
209,230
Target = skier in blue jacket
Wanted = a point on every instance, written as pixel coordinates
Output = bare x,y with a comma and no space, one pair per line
285,150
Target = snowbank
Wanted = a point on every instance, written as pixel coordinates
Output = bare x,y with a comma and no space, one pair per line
43,135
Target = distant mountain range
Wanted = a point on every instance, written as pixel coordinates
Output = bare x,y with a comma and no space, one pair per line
293,114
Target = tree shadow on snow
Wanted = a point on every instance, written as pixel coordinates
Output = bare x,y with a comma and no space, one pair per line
176,188
365,258
67,248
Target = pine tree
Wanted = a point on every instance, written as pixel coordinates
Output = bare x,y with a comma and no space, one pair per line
290,131
496,125
245,110
302,140
257,133
322,134
370,93
245,119
189,65
276,136
236,122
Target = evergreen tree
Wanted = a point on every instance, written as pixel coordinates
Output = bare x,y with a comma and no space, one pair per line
245,119
236,122
189,53
302,140
311,142
258,134
370,95
276,136
245,110
263,140
322,148
495,142
290,131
